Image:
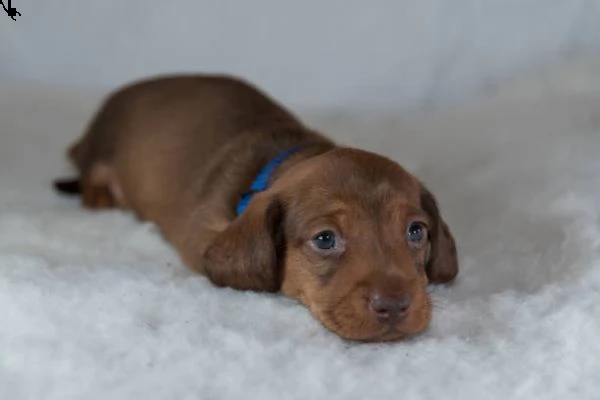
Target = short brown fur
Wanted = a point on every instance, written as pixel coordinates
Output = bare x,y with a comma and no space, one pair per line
180,152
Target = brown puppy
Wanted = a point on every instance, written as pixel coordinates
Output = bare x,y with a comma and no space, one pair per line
349,233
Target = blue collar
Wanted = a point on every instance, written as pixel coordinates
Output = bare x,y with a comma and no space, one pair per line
261,182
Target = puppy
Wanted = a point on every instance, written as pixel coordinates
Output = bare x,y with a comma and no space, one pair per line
254,200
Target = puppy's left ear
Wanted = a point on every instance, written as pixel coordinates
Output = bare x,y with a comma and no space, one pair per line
247,254
442,264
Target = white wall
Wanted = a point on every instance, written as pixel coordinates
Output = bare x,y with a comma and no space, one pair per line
307,53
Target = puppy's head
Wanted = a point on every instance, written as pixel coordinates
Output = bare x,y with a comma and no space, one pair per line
350,234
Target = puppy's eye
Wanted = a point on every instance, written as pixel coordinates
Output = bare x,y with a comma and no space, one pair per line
325,240
416,233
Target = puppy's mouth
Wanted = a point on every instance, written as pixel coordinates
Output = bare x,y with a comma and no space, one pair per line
395,332
392,335
360,326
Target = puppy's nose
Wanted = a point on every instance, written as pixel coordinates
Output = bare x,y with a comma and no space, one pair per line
390,309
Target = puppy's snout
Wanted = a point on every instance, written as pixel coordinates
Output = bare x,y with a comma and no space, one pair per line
389,309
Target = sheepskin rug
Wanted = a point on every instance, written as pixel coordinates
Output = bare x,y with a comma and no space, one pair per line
98,306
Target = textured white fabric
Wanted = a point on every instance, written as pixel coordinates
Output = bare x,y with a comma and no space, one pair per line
97,306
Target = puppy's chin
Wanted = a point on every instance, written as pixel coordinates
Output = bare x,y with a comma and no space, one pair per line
358,324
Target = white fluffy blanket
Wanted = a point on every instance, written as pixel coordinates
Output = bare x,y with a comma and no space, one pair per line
97,306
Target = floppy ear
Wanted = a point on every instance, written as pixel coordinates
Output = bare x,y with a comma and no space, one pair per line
442,263
246,255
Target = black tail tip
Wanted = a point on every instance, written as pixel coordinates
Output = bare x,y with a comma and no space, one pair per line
68,186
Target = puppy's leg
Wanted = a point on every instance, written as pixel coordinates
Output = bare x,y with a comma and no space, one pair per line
97,183
97,197
100,188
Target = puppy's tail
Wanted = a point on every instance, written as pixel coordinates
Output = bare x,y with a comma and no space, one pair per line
70,187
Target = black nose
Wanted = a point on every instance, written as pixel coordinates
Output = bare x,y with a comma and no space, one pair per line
390,309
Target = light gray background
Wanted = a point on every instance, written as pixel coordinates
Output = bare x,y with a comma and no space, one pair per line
307,53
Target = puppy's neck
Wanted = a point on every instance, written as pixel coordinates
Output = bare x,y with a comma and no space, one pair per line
238,165
308,150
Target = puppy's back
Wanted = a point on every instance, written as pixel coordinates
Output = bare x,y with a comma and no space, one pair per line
158,138
210,108
215,99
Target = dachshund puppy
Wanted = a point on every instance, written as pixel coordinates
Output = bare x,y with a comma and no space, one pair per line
254,200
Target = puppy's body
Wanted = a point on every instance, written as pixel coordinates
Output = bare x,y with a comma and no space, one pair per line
181,151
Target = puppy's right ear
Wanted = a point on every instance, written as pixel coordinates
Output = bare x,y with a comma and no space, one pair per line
247,255
442,266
